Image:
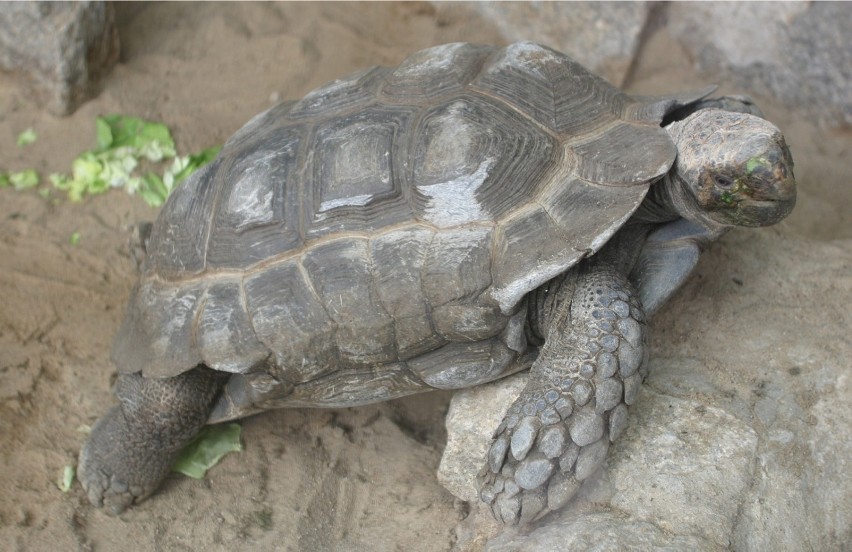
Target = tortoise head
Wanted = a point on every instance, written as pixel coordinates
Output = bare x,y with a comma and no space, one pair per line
733,168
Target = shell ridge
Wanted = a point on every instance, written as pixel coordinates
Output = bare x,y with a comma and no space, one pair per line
245,306
214,208
194,337
484,93
312,289
376,298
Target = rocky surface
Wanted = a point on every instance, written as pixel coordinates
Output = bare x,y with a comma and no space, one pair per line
603,36
739,437
63,48
798,52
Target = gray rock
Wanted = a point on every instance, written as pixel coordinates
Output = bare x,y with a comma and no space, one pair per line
602,36
590,459
798,52
62,48
603,532
699,461
738,440
472,418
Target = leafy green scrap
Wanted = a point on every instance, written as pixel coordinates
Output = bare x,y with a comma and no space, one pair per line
155,190
205,451
66,479
145,138
121,143
22,180
27,137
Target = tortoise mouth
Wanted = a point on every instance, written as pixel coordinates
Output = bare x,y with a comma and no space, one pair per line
773,198
756,212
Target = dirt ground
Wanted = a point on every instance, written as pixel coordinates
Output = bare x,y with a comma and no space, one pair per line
350,479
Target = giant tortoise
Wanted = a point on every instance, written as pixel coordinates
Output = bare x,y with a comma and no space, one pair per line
474,212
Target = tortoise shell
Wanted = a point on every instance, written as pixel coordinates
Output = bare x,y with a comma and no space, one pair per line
379,236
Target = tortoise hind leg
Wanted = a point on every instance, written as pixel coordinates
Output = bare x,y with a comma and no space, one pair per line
132,447
558,431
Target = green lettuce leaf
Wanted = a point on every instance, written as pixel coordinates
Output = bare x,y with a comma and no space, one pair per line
24,180
27,137
205,451
66,479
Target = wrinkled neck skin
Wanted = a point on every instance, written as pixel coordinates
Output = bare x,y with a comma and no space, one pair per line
669,199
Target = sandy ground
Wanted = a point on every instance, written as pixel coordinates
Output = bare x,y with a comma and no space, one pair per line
351,479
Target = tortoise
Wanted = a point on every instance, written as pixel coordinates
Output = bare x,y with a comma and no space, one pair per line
472,213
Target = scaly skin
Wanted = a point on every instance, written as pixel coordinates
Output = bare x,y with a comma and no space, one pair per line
558,431
132,447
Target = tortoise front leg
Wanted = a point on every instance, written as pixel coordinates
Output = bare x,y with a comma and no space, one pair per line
132,447
558,431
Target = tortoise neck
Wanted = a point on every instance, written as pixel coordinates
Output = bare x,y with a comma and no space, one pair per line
660,204
668,200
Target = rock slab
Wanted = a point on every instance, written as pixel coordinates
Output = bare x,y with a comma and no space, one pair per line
603,36
740,437
62,48
798,52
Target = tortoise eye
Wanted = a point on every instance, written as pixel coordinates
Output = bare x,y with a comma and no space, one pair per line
723,181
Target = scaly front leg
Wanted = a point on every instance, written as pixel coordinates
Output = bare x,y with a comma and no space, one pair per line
557,433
